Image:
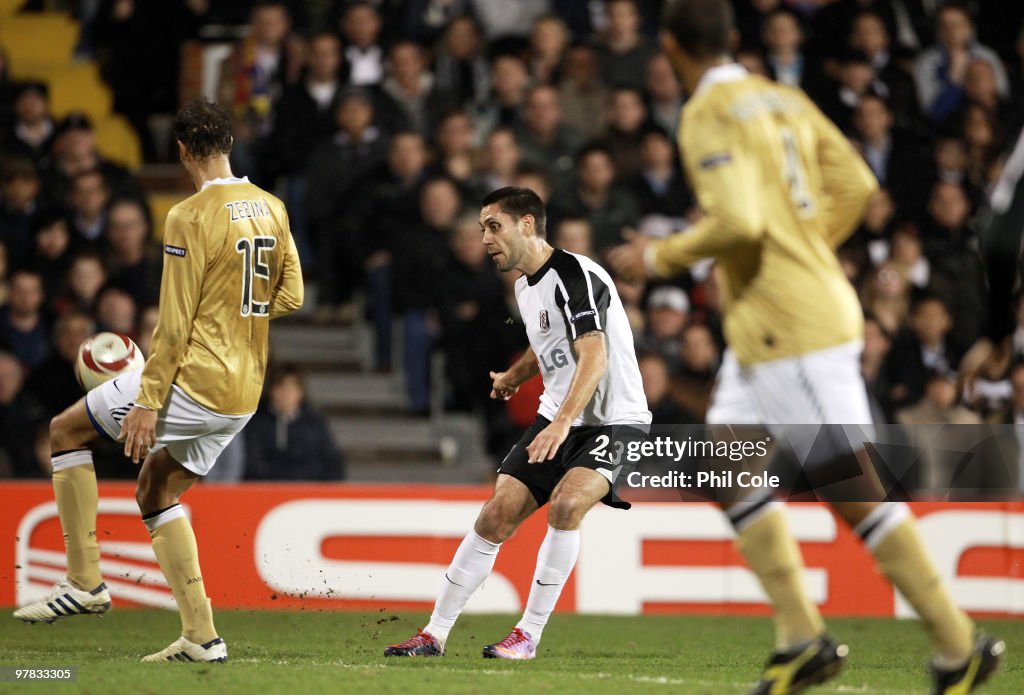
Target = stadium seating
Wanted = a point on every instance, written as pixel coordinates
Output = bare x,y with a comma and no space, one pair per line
40,46
8,7
38,38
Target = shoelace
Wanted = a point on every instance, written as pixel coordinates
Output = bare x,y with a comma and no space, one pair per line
419,638
514,638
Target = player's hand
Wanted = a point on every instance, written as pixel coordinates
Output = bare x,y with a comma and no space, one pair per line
627,260
545,445
138,432
502,387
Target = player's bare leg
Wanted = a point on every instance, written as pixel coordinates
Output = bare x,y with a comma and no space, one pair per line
578,491
161,483
510,505
82,591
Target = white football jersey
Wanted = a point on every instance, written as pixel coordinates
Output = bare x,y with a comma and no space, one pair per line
571,295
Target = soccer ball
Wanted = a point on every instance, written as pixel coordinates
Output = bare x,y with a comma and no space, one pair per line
104,356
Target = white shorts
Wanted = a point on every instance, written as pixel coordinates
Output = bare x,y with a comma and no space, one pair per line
818,388
194,436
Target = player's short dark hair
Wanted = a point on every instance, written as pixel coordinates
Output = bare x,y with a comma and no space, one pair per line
204,128
517,202
702,28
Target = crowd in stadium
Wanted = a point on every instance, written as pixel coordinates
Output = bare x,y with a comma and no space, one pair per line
382,124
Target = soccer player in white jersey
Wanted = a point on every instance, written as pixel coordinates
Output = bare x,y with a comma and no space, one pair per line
581,343
230,266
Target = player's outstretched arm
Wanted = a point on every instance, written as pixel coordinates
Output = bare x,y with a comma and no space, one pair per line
289,293
591,364
727,181
505,384
845,178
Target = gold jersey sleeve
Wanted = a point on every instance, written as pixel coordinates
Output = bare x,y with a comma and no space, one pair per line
230,265
779,188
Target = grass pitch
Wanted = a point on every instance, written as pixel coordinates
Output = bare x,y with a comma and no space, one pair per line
313,652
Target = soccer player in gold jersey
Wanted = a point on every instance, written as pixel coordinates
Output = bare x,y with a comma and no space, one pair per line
230,266
780,188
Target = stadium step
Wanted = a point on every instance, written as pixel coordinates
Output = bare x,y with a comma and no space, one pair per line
334,391
368,412
322,349
413,450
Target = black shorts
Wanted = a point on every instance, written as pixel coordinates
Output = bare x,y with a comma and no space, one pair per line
599,448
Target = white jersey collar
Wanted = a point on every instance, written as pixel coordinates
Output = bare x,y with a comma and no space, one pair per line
730,72
224,181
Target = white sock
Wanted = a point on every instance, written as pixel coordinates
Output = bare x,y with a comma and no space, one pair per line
555,561
472,563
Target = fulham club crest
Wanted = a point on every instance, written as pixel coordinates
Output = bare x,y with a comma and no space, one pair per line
545,325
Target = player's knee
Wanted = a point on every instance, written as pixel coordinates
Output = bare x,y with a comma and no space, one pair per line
149,495
61,433
566,510
494,523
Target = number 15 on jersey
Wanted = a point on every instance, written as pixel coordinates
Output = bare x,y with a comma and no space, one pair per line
254,266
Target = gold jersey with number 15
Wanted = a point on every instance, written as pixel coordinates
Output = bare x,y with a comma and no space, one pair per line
230,265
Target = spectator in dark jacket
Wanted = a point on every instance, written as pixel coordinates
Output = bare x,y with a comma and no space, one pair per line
925,348
627,125
460,68
22,323
75,152
52,250
409,97
657,380
608,208
20,189
305,116
472,313
894,155
384,203
659,187
53,382
33,130
623,52
133,261
287,439
870,33
335,166
420,254
19,414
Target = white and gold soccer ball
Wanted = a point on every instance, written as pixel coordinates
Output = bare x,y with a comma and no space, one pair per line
104,356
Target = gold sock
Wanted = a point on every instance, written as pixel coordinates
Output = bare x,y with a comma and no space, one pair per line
901,555
774,557
74,487
174,544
